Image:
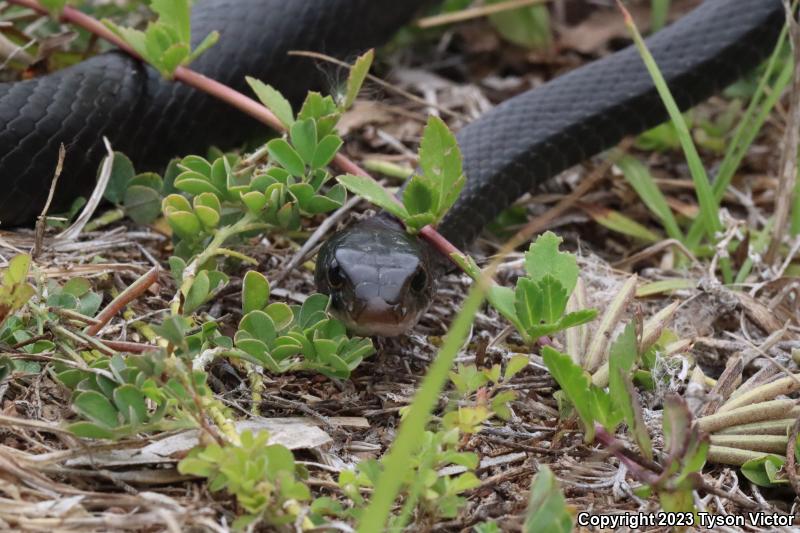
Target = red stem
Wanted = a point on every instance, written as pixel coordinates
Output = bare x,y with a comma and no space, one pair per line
226,94
136,289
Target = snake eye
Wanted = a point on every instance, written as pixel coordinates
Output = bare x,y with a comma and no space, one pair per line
419,281
336,277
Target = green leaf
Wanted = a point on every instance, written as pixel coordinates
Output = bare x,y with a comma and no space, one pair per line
575,383
313,310
323,110
208,209
281,314
17,271
282,152
77,287
259,325
415,223
468,379
709,206
186,225
171,58
303,134
326,150
639,177
418,198
527,26
210,40
577,318
198,292
515,365
372,191
176,15
96,408
539,303
122,173
255,201
500,403
544,258
274,101
130,402
88,430
195,183
766,471
616,221
142,204
553,298
148,179
622,357
547,508
440,160
173,329
255,292
356,79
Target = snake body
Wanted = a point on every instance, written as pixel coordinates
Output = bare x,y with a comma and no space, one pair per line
152,120
380,279
534,136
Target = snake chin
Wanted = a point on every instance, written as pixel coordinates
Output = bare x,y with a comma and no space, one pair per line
377,319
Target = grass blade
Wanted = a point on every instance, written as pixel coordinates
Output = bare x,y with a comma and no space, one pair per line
642,182
709,206
397,459
761,105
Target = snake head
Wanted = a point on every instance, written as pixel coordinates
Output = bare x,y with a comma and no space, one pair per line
379,278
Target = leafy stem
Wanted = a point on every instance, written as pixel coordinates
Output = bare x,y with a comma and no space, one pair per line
247,223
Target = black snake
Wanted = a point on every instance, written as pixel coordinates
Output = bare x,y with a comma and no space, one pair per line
380,279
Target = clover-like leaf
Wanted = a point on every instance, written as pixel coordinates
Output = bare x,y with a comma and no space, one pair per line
255,292
303,135
97,408
283,153
260,326
130,402
325,151
122,172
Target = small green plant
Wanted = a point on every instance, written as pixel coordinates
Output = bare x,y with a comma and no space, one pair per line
263,477
485,388
479,397
282,338
433,494
166,43
537,305
120,396
428,195
15,291
592,403
685,451
547,509
138,196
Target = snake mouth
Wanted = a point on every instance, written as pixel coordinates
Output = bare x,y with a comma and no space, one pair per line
377,318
